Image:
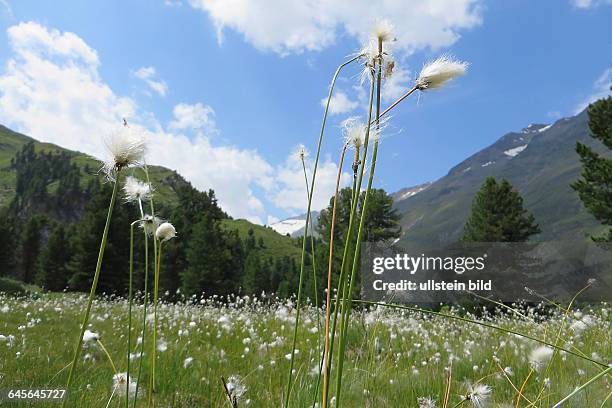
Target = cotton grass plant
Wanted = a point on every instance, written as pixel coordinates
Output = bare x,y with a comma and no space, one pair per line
125,148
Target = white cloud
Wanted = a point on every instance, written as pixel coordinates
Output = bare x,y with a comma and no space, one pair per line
147,74
290,190
193,117
340,103
601,89
293,26
586,4
51,90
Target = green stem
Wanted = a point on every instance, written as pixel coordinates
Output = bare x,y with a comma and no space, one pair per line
346,304
583,386
155,301
314,173
144,315
94,285
316,294
130,300
490,326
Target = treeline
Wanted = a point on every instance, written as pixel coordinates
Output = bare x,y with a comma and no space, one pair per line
50,236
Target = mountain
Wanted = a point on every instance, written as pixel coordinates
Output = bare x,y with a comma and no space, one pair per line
540,161
166,181
294,226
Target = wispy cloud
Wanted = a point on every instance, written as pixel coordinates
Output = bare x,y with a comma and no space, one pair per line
148,74
587,4
601,89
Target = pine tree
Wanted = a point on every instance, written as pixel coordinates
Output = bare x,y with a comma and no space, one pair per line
7,242
595,187
31,245
52,271
498,215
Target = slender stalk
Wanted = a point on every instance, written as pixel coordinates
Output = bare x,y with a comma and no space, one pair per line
314,173
94,285
144,313
520,391
155,301
490,326
329,282
314,280
130,300
349,234
346,305
108,356
394,104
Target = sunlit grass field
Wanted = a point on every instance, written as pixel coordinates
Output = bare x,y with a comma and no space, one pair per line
393,357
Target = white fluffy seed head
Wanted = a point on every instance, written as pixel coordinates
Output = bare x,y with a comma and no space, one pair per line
439,71
125,148
301,152
90,336
165,232
354,131
236,387
150,224
540,356
383,31
478,394
135,190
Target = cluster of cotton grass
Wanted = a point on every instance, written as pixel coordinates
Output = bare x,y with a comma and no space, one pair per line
126,149
378,65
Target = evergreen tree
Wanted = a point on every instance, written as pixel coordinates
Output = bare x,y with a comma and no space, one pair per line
52,269
8,233
31,245
595,187
498,215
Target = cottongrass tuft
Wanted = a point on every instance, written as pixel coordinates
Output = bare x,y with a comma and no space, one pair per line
150,224
136,190
477,394
539,357
383,31
439,71
125,148
165,232
236,387
301,152
354,131
426,402
90,336
122,384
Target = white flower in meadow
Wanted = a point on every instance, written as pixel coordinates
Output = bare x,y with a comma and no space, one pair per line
354,132
477,394
150,224
437,72
165,232
236,387
162,345
5,309
90,336
540,356
509,371
135,190
125,148
426,402
123,383
383,30
187,362
301,152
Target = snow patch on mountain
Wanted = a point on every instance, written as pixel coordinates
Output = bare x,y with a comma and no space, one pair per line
544,129
288,226
487,164
515,151
409,192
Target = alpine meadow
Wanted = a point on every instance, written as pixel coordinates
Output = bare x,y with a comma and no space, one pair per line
340,230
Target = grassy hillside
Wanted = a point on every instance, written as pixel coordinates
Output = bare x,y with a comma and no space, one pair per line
276,245
164,180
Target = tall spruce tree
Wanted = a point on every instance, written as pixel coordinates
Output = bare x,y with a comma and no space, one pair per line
498,215
52,267
595,186
31,245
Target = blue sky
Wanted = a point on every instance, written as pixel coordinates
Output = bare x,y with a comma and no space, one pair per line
226,90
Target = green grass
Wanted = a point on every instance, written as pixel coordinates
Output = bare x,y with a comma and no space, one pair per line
392,357
276,245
